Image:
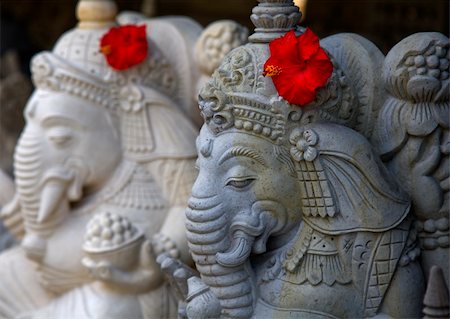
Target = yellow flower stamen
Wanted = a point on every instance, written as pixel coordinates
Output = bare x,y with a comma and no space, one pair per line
106,49
272,70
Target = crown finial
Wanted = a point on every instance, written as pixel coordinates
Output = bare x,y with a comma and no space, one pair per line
94,14
273,18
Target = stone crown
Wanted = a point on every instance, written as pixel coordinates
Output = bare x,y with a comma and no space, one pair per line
238,94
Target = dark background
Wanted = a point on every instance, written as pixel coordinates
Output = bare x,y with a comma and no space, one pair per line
34,25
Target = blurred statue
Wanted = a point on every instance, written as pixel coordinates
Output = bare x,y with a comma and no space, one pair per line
103,147
7,187
293,213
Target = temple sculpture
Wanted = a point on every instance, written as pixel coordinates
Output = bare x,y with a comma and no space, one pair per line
335,207
103,169
412,136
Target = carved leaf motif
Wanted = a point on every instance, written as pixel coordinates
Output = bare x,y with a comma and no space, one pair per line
423,88
391,134
418,118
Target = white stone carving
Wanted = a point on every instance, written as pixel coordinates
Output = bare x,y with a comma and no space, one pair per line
103,169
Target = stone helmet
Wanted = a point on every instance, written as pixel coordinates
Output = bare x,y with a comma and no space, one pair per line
239,98
77,66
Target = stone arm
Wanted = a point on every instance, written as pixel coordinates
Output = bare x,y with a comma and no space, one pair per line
175,177
141,280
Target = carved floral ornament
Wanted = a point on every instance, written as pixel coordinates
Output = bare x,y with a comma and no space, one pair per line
418,84
303,142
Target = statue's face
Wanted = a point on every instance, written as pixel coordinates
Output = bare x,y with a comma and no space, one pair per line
242,169
68,147
65,127
243,195
243,183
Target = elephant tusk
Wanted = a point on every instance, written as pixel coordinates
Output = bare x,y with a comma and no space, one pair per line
52,194
239,251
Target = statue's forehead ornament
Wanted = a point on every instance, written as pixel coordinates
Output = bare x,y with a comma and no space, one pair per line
285,78
50,72
104,63
244,94
239,96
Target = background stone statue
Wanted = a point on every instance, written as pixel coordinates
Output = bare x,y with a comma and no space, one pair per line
293,213
412,136
109,146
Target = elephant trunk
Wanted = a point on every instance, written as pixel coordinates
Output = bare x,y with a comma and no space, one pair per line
28,172
221,243
208,234
44,194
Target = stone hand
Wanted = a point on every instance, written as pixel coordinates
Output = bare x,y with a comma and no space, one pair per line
101,270
177,274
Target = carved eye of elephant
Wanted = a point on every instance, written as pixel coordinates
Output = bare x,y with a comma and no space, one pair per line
60,136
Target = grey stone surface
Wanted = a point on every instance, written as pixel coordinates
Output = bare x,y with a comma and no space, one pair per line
413,139
311,212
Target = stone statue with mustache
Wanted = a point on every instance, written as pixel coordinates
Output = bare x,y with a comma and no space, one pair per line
293,214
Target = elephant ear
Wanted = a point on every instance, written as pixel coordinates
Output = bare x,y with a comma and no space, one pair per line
364,195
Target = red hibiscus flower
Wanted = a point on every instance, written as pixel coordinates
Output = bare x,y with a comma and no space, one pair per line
124,46
298,66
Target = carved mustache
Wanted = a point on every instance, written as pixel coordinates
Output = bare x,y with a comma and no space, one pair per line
251,231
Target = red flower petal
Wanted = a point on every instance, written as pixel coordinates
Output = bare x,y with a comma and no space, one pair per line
286,48
294,88
308,44
125,46
318,70
298,67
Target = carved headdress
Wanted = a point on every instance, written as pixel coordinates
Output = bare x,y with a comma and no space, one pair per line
332,161
77,66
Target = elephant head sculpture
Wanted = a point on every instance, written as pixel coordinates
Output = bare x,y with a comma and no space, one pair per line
292,213
68,149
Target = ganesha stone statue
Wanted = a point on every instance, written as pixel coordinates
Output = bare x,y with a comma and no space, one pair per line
293,213
107,138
